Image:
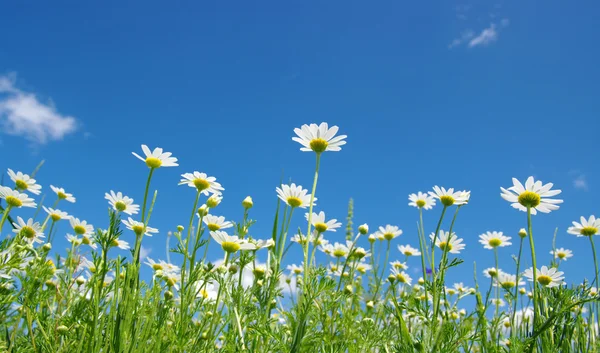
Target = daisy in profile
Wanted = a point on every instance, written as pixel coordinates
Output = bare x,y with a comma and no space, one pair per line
492,240
547,277
201,182
319,138
461,288
562,254
32,232
453,244
491,272
139,228
402,277
62,194
157,158
56,215
121,203
388,232
214,223
121,244
294,196
363,267
318,221
450,197
231,243
339,250
295,269
421,200
507,281
399,265
81,227
408,250
15,199
534,196
73,239
24,182
586,228
261,244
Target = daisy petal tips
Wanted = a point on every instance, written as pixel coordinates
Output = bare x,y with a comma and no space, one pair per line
319,138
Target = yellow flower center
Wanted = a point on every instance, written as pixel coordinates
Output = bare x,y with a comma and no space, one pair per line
321,227
408,253
447,200
297,271
61,195
55,217
21,185
201,184
359,253
86,241
495,242
153,162
361,269
79,229
213,227
28,232
259,272
230,246
171,281
388,236
318,145
120,206
561,255
508,285
420,203
445,246
507,324
544,280
294,201
114,242
138,229
157,267
400,278
13,201
339,253
492,273
204,293
529,199
589,231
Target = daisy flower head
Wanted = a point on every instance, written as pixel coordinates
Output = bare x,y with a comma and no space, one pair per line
56,215
408,250
319,138
261,244
507,281
121,244
562,253
214,223
121,203
73,239
388,232
547,277
24,182
295,269
534,196
231,243
446,242
491,272
363,229
399,265
421,200
139,228
450,197
339,250
401,276
492,240
157,158
363,267
318,221
31,231
15,199
201,182
586,228
294,195
81,227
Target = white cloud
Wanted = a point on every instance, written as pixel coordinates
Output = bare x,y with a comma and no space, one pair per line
465,36
580,182
487,36
144,252
22,114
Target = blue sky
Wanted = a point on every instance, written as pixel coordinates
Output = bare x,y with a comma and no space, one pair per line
458,94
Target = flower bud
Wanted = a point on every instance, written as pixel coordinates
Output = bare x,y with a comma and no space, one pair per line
80,280
168,295
203,210
363,229
47,247
247,203
522,233
213,201
179,228
62,330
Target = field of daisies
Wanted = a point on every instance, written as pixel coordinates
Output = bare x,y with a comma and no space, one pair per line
86,298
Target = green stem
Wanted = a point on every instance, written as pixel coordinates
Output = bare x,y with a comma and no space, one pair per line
437,231
5,216
146,194
512,322
534,290
185,257
422,247
596,272
310,209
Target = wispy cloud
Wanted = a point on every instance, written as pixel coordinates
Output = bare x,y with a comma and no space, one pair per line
580,182
22,114
464,37
144,252
487,36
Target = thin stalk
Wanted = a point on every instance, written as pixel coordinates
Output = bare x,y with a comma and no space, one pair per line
310,209
533,262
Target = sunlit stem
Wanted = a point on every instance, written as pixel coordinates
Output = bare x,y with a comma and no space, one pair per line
513,331
443,261
5,216
596,271
435,236
424,251
48,216
534,264
146,194
497,283
217,317
185,258
310,209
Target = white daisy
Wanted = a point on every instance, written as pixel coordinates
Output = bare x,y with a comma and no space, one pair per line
15,199
326,248
363,267
339,250
81,227
156,266
562,253
498,302
548,277
408,250
206,290
421,200
231,243
318,221
507,281
56,215
121,244
294,196
492,240
461,288
138,227
201,182
260,243
32,232
24,182
73,239
121,203
214,223
399,265
450,197
62,194
319,138
586,228
295,269
401,277
491,272
157,158
534,195
453,244
388,232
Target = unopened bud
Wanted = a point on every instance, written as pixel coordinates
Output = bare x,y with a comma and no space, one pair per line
213,201
47,247
247,202
168,295
363,229
522,233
